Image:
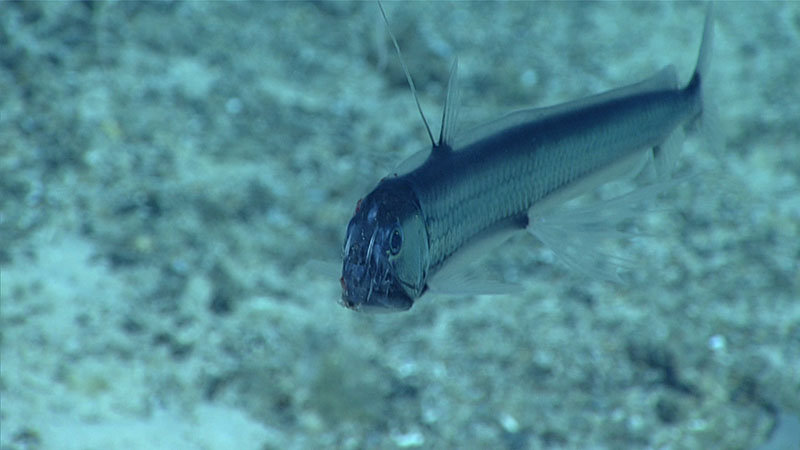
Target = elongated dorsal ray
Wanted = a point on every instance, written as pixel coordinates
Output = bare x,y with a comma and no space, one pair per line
408,75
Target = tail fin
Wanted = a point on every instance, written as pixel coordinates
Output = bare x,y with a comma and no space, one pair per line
705,113
704,57
708,121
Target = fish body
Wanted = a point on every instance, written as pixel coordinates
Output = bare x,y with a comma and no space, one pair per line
415,230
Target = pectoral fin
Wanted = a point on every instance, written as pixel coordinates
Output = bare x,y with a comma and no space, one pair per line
578,235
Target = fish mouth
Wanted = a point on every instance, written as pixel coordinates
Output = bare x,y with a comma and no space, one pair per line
379,304
364,291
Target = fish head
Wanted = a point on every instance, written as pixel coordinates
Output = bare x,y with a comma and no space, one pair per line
385,258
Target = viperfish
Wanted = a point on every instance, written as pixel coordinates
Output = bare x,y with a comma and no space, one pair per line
416,231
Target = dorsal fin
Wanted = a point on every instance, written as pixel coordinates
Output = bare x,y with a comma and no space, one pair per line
450,112
408,75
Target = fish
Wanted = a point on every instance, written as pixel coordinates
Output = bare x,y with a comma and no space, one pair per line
446,206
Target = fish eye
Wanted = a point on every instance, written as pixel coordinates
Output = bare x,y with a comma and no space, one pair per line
396,241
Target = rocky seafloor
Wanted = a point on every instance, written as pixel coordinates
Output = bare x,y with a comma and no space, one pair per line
176,177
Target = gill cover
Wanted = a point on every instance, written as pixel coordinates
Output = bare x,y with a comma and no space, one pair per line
385,251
